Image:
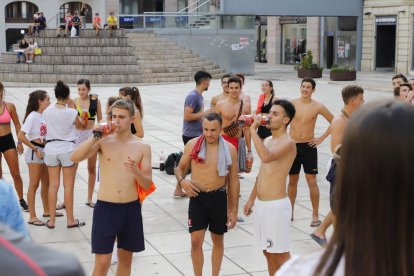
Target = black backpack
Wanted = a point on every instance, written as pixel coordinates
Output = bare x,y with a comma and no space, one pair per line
172,161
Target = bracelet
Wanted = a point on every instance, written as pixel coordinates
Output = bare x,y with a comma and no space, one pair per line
97,134
179,181
19,143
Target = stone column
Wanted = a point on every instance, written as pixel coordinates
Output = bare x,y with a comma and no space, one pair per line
403,55
2,29
274,36
170,6
313,37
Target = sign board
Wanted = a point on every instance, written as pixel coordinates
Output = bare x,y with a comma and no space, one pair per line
386,20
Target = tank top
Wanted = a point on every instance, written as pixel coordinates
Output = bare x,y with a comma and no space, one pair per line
266,107
5,117
93,107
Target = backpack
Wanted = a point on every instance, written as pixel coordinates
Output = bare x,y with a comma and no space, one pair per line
172,161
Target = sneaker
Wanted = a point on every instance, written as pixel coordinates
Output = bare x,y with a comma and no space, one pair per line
58,35
30,61
24,205
18,61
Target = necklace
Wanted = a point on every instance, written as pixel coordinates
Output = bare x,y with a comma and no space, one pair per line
345,114
61,104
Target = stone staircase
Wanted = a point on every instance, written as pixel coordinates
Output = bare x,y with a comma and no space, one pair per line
99,59
161,60
129,58
204,21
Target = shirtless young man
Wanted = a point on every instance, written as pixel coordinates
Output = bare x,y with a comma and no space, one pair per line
210,206
224,94
353,97
243,95
117,213
302,130
230,109
273,209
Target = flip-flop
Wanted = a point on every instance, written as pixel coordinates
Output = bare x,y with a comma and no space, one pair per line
48,226
60,207
90,204
57,214
315,223
36,223
180,195
79,224
318,240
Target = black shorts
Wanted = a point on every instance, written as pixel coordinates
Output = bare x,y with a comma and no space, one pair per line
208,209
186,139
306,156
331,177
117,220
7,142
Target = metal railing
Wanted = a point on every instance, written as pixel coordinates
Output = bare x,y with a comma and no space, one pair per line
175,20
197,7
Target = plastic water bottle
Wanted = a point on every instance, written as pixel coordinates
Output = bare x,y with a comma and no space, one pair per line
162,161
249,162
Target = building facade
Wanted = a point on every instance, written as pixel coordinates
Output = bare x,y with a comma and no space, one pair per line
388,36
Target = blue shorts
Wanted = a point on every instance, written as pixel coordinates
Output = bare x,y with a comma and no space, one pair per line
117,220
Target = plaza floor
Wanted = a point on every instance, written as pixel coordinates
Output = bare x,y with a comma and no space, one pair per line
167,240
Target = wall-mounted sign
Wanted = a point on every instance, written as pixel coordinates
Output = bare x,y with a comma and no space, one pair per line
386,20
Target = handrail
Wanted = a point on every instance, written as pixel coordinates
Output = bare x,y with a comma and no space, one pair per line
202,4
57,18
187,8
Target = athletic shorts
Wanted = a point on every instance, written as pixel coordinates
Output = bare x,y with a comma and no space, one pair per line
122,221
7,142
61,159
186,139
331,177
30,156
82,136
208,210
272,225
306,156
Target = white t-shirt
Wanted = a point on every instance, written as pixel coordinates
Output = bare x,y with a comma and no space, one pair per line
34,126
60,124
306,265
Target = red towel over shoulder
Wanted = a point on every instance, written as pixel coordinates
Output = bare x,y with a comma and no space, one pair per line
142,193
196,149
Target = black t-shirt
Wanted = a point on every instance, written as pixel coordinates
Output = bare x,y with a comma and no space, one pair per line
23,45
76,20
42,21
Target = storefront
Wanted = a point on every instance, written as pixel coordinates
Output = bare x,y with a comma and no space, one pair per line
294,31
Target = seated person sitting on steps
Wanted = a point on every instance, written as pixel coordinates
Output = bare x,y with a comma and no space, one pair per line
40,23
30,51
32,26
76,22
112,23
97,23
22,49
67,27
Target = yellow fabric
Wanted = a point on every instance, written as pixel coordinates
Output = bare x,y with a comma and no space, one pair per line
112,20
38,51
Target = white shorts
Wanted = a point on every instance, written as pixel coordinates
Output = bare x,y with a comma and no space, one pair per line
272,225
82,136
31,158
61,159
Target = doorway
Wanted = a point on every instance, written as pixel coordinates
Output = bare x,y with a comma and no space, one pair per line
330,52
385,47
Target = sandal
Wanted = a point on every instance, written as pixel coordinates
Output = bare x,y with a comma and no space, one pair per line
315,223
48,226
90,204
36,223
60,206
79,224
57,214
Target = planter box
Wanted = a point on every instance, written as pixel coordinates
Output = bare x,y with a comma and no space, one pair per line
343,76
310,73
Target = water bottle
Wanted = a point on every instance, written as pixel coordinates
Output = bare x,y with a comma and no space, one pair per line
162,161
247,120
249,162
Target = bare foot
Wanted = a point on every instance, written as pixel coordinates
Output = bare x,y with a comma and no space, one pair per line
180,194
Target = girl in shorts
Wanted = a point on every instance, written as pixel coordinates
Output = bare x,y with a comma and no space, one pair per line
8,147
89,108
61,119
32,134
132,94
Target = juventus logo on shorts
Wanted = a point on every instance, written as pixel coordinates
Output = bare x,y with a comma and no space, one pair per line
269,243
190,223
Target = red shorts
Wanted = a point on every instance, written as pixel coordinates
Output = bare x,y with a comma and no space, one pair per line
232,140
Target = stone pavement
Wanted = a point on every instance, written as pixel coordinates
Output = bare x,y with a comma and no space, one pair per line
165,218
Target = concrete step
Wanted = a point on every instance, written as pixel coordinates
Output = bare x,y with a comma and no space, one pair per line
82,41
149,43
76,59
174,79
178,69
156,46
71,69
156,56
83,33
200,63
178,74
95,50
184,61
162,51
29,77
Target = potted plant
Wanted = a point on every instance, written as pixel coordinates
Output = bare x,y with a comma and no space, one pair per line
343,73
308,69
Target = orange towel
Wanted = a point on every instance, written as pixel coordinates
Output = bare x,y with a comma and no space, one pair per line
142,193
260,103
196,149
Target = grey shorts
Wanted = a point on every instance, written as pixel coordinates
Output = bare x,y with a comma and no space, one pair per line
31,158
61,159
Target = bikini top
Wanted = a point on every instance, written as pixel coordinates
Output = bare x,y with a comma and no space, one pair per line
93,107
232,129
5,117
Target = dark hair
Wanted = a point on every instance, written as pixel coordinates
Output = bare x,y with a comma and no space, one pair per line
124,104
111,100
374,229
133,93
310,80
213,116
240,75
85,82
271,85
33,102
1,87
225,76
397,89
400,76
200,76
61,90
289,108
235,79
351,91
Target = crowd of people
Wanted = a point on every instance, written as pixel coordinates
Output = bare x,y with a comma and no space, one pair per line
370,194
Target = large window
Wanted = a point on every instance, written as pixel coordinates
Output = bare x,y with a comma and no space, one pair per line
20,12
294,42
